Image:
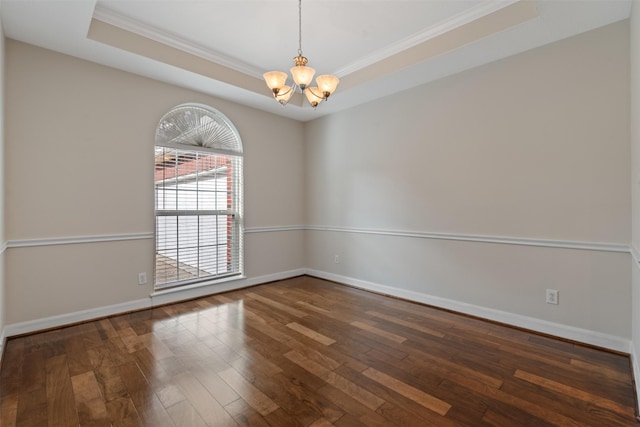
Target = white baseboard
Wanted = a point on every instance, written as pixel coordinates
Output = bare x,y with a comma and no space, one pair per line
3,341
161,298
252,281
636,375
556,329
75,317
154,300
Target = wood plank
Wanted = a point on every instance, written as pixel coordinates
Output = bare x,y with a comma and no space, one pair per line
277,305
508,418
438,406
32,408
254,397
454,370
321,422
397,404
122,412
380,332
170,395
600,370
582,412
245,415
353,409
308,306
324,340
294,393
401,322
9,410
184,415
146,402
89,403
358,393
76,353
61,409
523,405
209,409
574,392
219,389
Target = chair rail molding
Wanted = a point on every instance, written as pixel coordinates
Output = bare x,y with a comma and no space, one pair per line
73,240
564,244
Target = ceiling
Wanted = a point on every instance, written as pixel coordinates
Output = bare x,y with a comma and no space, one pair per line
376,47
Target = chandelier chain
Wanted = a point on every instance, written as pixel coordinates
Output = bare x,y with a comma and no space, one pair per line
300,27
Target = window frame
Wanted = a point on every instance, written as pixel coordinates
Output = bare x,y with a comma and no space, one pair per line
233,213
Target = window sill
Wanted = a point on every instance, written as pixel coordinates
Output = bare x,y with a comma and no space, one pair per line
198,285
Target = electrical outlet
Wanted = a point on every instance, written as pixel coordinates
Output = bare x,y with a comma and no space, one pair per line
552,296
142,278
336,259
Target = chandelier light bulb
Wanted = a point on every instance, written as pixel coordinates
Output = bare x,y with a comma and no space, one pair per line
302,75
275,79
313,96
327,84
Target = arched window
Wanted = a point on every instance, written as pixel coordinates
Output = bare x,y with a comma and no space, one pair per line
198,197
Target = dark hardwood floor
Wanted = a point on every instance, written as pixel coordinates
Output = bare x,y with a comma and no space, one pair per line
306,352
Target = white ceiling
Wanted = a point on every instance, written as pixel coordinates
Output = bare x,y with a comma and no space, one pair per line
376,47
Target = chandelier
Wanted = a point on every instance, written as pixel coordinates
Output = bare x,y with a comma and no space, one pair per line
302,77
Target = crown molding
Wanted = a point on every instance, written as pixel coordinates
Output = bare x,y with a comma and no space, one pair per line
112,18
486,8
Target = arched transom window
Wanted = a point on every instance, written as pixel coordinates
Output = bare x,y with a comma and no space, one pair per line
198,197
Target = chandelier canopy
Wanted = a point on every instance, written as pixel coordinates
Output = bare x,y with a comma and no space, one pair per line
302,77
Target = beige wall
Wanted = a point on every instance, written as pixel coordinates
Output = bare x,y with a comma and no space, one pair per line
535,146
79,162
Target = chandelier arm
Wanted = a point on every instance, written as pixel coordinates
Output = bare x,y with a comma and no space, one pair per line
292,88
315,94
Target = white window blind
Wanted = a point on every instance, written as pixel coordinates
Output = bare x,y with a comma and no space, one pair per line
198,198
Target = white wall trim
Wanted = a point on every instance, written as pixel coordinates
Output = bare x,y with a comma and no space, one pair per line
153,300
636,374
564,244
635,255
469,15
75,317
250,230
563,331
128,24
52,241
3,341
161,297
